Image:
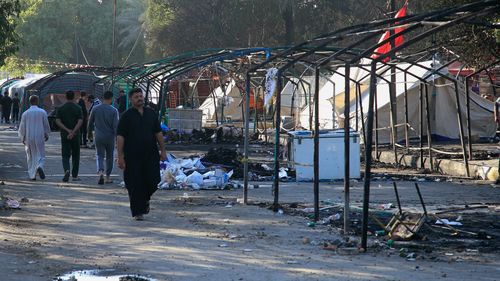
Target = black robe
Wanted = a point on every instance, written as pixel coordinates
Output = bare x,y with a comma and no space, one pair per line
142,160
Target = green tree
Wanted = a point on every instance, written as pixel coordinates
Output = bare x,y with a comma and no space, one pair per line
475,44
16,67
174,26
77,31
9,10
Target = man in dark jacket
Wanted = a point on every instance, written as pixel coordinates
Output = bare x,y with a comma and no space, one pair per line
122,102
83,128
6,107
15,108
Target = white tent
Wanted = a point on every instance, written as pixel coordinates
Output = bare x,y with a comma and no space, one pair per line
442,103
19,86
231,102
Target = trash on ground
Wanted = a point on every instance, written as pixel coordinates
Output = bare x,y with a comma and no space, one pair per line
8,203
100,275
387,206
191,173
447,222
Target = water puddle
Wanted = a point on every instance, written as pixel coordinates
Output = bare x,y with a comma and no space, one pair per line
100,275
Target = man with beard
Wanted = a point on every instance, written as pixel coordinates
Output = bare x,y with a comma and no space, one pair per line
139,138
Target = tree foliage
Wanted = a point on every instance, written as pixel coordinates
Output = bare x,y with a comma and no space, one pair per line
475,44
175,26
148,29
9,9
17,67
78,31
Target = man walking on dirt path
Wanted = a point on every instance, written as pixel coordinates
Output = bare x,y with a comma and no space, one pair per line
15,108
34,131
104,121
139,137
69,118
6,107
83,106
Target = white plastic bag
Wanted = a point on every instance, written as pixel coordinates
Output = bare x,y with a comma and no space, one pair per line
195,178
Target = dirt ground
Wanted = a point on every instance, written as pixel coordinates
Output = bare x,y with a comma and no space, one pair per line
207,235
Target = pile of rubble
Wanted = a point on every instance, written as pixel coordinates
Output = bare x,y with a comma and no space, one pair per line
221,134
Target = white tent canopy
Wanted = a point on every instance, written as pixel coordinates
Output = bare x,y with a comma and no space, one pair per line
442,103
231,102
19,86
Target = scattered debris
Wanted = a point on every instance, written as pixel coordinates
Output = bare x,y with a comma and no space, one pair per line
7,203
177,173
447,222
387,206
107,274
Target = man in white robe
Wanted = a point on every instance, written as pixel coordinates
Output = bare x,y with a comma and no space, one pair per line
34,131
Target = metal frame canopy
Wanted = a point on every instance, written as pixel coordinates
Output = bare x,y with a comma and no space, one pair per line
157,75
415,28
83,76
96,70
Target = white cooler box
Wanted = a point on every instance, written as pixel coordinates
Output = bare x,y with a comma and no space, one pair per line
331,154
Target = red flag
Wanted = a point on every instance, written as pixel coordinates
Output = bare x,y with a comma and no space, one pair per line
398,40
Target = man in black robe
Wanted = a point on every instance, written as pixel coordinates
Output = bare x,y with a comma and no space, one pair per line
139,138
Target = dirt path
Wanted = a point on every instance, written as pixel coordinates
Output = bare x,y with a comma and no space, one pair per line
67,227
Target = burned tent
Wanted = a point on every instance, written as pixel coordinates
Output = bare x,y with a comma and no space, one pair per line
442,102
226,102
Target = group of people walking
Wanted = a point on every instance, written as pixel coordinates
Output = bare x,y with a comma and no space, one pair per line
137,134
10,108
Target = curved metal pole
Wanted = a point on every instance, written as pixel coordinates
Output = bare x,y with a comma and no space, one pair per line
347,139
469,131
363,126
279,88
246,140
407,136
368,157
421,123
429,131
460,126
316,145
